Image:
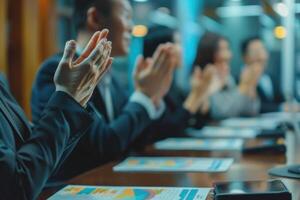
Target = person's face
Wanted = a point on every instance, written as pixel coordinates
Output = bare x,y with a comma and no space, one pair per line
222,58
121,25
256,53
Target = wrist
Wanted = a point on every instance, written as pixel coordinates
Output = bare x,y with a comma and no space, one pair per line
79,101
247,90
192,103
155,100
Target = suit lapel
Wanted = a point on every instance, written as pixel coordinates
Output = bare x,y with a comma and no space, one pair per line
10,101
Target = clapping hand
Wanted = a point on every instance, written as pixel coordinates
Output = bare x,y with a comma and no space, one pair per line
79,78
201,84
153,76
249,79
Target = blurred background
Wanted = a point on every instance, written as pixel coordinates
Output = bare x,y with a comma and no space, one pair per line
32,30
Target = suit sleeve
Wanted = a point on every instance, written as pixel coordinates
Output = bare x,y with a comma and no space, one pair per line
26,170
43,87
109,140
105,140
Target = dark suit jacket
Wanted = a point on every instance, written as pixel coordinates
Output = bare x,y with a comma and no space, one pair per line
104,140
269,104
174,122
28,156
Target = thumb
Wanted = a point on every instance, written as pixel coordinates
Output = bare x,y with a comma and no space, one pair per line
69,52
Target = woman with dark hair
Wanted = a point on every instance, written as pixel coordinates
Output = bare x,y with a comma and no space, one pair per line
227,99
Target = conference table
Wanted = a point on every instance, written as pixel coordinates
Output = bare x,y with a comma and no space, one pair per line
252,166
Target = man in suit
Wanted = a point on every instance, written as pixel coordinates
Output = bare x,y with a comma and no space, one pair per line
125,117
255,55
29,155
182,111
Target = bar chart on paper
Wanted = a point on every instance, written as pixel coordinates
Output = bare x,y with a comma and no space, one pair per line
129,193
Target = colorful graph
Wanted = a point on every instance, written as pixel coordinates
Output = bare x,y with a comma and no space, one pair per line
190,164
130,193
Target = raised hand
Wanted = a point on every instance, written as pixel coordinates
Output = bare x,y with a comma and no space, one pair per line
218,81
201,83
79,78
153,76
249,79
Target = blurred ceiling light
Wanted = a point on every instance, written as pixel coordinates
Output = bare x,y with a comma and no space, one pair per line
139,31
280,32
281,9
140,0
164,10
239,11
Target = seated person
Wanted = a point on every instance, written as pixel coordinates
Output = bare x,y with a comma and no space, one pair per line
125,117
255,55
227,99
181,110
29,155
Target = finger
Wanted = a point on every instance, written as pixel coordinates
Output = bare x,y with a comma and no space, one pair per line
104,57
148,61
97,52
103,34
157,52
160,58
88,76
89,48
139,65
174,56
166,63
102,70
69,52
106,69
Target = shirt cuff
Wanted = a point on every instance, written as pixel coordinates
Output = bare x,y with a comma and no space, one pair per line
153,112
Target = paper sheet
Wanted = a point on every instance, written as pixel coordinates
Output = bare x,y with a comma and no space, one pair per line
259,123
225,132
73,192
200,144
174,164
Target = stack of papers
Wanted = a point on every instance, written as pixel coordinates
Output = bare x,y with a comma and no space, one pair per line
200,144
225,132
174,164
73,192
282,116
258,123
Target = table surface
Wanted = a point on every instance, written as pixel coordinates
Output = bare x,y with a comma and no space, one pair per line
246,167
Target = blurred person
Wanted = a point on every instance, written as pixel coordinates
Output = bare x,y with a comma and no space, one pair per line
125,117
227,99
255,55
29,155
181,110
